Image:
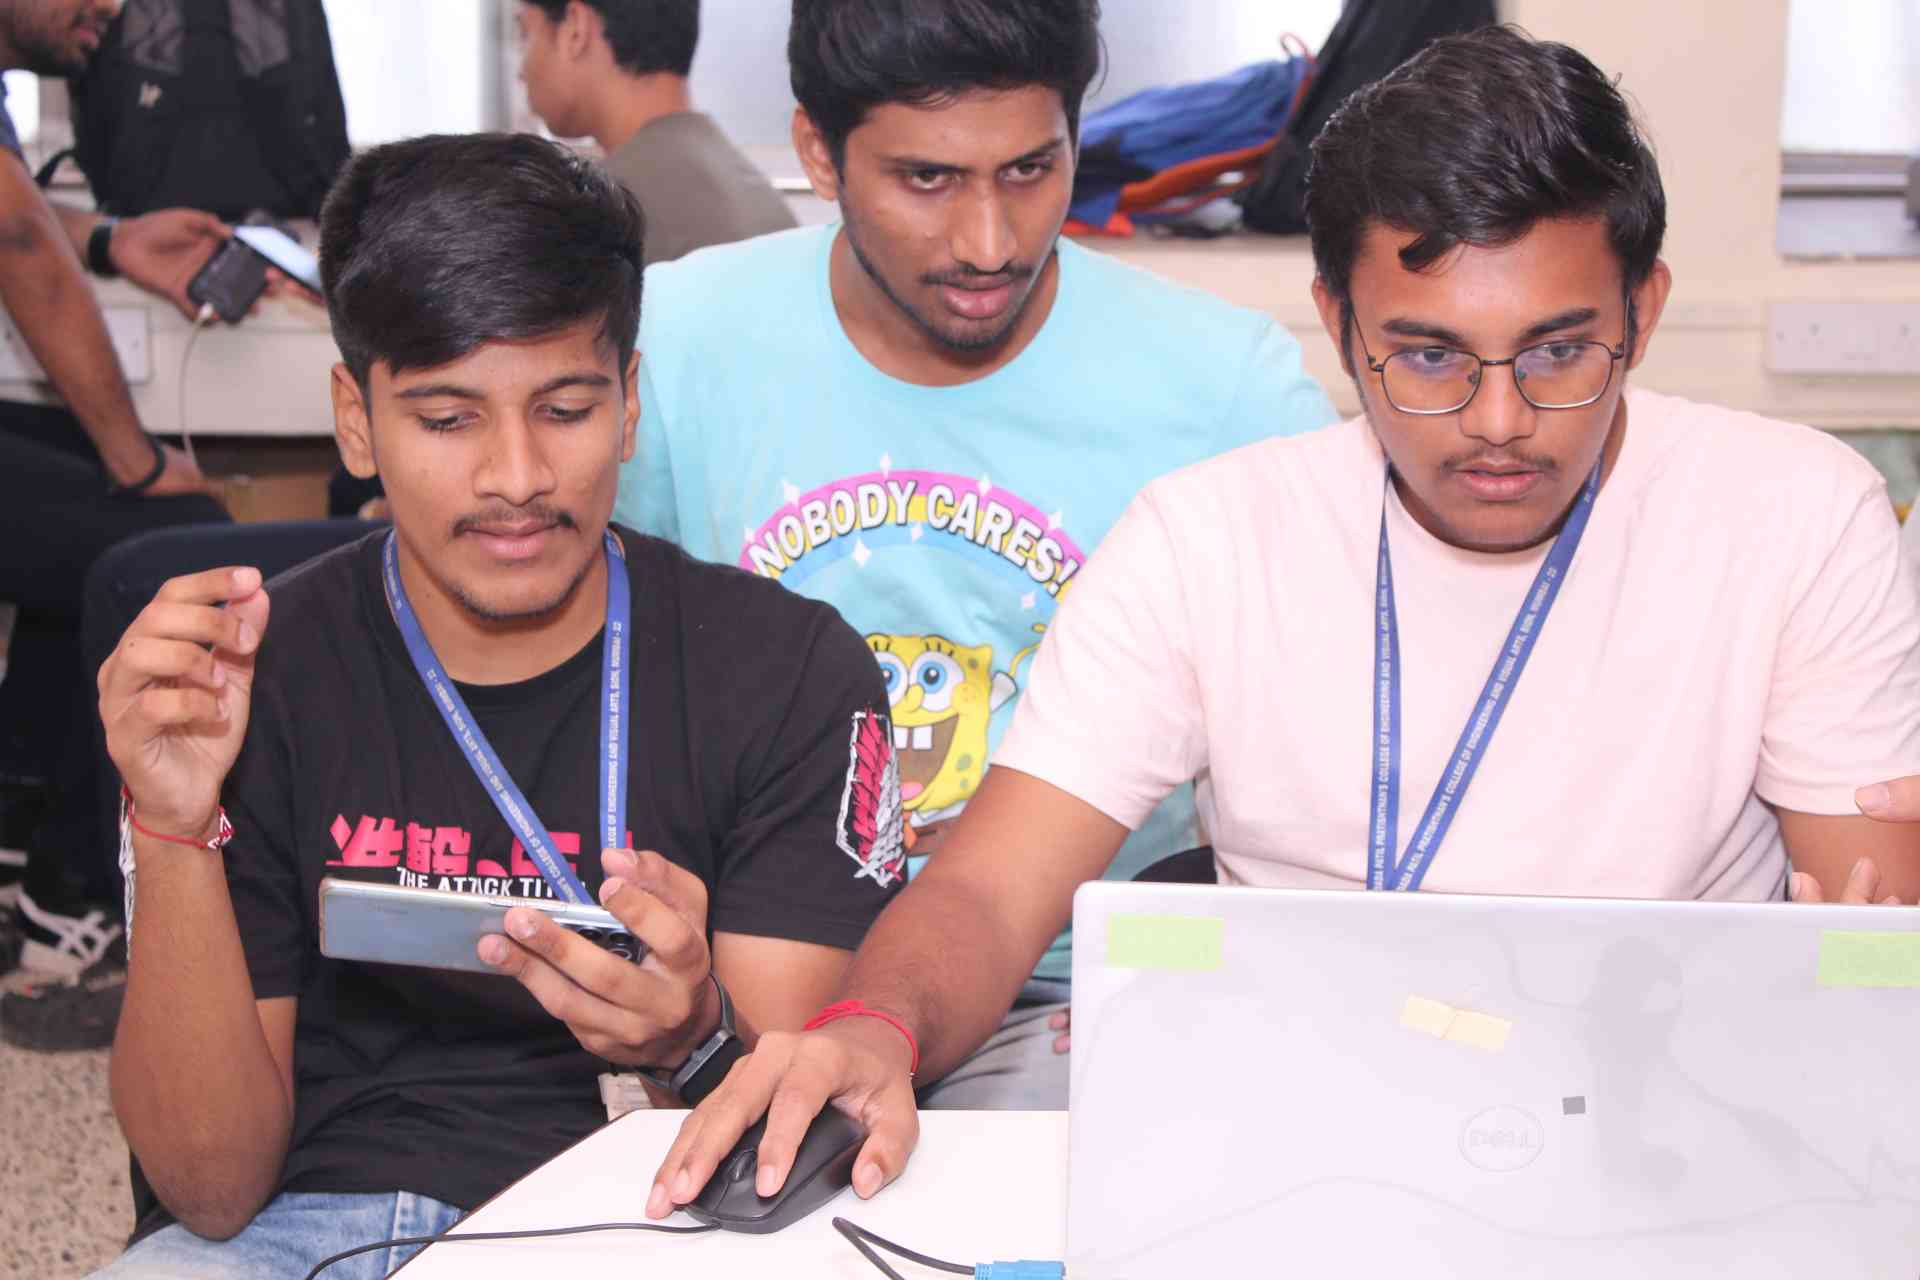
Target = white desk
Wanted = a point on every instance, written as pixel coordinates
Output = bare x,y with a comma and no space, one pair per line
267,376
983,1185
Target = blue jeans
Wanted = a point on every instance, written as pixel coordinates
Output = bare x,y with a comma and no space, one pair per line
295,1231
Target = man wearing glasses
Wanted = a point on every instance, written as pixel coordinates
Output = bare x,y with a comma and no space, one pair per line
1519,628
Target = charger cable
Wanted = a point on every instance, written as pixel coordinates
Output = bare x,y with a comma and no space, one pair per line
206,317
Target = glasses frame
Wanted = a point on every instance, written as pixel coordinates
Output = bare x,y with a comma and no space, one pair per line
1379,367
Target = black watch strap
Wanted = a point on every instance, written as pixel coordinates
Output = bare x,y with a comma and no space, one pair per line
712,1070
99,248
708,1065
145,482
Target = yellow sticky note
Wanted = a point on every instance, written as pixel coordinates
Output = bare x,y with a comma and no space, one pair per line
1481,1030
1182,944
1430,1016
1862,959
1458,1026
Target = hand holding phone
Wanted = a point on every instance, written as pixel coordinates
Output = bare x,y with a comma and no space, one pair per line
235,277
650,1015
231,282
439,929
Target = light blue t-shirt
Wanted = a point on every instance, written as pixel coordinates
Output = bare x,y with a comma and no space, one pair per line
942,522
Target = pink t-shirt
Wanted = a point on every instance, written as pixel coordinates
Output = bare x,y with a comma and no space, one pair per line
1735,632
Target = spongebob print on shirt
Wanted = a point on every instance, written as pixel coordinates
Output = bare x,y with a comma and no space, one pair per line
951,692
943,697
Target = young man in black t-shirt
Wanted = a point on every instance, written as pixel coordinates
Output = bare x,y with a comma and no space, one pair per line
484,292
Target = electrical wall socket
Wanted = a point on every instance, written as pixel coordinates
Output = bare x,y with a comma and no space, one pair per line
126,328
1844,337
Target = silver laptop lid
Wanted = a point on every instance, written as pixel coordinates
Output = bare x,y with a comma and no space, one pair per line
1353,1084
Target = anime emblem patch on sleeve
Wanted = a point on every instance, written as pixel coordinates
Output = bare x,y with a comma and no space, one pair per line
870,814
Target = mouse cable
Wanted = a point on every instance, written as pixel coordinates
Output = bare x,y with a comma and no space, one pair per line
859,1237
445,1238
864,1240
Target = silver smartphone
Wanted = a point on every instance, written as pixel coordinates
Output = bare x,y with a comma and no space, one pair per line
437,929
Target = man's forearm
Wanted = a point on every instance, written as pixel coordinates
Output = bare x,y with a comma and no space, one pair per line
202,1100
940,960
951,953
77,223
46,294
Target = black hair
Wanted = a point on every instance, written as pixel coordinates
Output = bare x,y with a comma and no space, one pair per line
432,247
1473,141
850,56
646,35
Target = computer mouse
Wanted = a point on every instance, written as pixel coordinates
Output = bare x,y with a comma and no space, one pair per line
822,1169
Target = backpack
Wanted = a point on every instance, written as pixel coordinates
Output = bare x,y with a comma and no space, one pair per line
1371,38
225,105
1143,150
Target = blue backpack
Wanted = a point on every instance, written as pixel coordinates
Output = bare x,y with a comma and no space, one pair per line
1161,129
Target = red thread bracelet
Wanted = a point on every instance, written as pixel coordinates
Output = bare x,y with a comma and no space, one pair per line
855,1009
222,833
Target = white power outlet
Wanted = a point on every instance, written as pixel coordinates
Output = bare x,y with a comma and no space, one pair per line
126,328
1844,337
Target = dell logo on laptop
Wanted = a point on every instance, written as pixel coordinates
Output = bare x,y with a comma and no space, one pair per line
1502,1139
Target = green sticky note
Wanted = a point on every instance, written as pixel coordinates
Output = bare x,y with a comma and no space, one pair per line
1187,944
1849,959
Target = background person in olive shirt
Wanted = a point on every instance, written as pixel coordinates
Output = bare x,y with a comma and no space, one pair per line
616,71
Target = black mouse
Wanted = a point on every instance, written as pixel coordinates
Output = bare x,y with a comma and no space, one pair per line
822,1169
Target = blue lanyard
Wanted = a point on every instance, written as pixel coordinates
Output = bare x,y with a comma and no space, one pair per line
507,797
1384,837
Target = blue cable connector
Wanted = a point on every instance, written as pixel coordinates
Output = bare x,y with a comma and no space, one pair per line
1025,1269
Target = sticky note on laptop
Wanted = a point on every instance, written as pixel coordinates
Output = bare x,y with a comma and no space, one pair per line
1184,944
1461,1026
1869,959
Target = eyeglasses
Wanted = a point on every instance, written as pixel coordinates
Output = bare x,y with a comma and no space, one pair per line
1552,375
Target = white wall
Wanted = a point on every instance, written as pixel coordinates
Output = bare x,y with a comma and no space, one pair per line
23,103
1708,77
1853,76
409,67
740,73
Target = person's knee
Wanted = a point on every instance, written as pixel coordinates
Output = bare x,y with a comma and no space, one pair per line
173,1253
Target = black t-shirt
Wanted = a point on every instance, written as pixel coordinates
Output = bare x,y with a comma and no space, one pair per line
758,719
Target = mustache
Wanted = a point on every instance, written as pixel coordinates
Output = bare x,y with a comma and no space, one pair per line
964,277
509,517
1507,460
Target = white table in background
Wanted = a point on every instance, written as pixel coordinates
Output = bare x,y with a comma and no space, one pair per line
983,1186
270,375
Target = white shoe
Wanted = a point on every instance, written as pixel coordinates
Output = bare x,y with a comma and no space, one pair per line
13,866
63,946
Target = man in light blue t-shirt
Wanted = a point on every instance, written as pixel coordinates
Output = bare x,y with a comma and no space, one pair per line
930,413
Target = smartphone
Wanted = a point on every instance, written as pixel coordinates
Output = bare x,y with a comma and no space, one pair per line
231,282
284,252
437,929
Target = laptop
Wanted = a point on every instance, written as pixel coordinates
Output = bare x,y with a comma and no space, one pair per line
1316,1083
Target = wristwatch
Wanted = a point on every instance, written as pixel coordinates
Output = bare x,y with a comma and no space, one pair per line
702,1072
99,248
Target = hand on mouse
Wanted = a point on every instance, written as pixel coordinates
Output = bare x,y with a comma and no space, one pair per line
860,1065
651,1014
